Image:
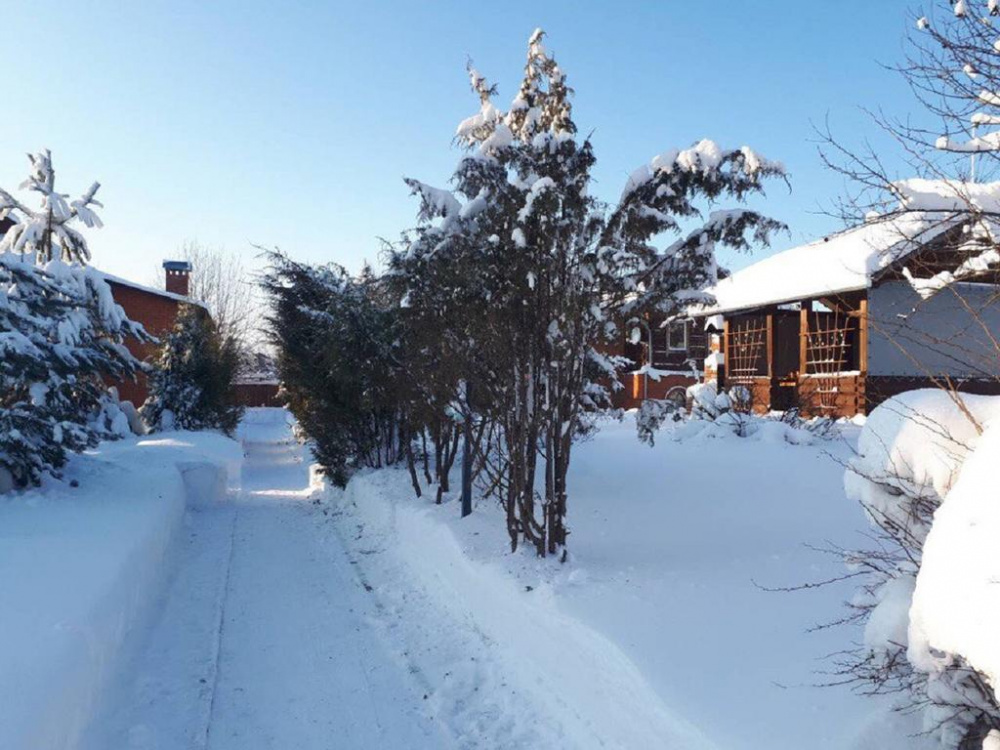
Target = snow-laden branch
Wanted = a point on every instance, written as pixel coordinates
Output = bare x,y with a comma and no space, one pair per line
46,234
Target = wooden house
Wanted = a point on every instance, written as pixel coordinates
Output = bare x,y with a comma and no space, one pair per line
666,359
833,327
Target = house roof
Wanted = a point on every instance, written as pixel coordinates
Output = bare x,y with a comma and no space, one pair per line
149,290
839,263
7,223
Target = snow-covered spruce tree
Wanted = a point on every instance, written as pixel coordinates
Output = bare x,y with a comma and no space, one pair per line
61,332
549,271
191,382
336,340
953,68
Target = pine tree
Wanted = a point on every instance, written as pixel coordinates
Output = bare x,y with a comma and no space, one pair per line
61,332
337,342
191,384
48,233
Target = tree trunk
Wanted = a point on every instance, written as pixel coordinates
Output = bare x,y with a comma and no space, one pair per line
411,466
467,467
426,459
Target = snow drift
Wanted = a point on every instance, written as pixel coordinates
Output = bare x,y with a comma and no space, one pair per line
927,474
541,678
956,604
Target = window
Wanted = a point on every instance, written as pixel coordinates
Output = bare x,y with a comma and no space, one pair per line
677,336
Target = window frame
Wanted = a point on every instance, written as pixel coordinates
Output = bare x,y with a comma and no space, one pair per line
685,327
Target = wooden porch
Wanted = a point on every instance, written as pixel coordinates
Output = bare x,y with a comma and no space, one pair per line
813,358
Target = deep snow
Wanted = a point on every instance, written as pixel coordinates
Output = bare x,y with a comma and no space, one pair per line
263,639
658,632
293,617
80,567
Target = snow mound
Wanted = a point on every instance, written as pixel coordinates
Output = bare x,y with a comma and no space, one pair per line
914,444
927,477
956,604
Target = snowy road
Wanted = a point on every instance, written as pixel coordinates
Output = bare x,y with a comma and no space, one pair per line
264,639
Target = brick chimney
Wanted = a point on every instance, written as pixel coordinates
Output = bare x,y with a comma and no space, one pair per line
178,274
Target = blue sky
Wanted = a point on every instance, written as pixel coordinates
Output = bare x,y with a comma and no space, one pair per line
293,123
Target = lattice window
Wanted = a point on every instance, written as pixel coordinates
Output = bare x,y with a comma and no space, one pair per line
828,346
747,351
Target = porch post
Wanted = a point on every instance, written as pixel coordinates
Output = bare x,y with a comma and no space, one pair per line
724,372
863,336
770,361
770,345
804,308
862,389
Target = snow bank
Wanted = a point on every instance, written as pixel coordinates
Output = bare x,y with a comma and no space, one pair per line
80,566
956,605
928,480
914,445
656,624
539,677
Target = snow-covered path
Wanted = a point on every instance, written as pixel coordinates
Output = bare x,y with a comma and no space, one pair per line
264,639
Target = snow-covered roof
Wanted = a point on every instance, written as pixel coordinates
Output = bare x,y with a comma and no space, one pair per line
842,262
149,289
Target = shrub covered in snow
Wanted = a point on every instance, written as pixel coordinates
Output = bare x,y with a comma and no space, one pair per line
918,451
61,333
653,414
339,363
707,402
720,415
191,383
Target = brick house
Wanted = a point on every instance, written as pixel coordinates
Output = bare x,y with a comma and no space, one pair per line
156,310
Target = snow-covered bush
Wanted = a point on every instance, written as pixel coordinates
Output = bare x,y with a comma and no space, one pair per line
727,410
706,401
61,332
191,383
912,457
113,419
955,609
339,361
653,414
714,415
